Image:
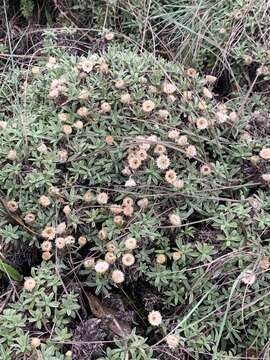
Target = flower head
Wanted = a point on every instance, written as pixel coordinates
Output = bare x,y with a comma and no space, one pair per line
89,263
42,148
248,60
88,196
142,80
35,70
118,276
237,14
110,257
130,243
202,105
67,129
143,203
49,233
161,259
60,243
103,234
130,183
46,255
191,151
205,169
248,277
118,220
210,79
182,140
163,114
134,162
128,259
119,84
160,149
170,176
83,111
221,117
109,36
265,153
125,98
83,94
82,240
191,73
148,106
29,218
63,117
78,124
233,116
3,125
178,184
163,162
105,108
12,155
12,206
187,95
128,210
66,210
207,93
69,240
175,220
35,342
127,201
62,155
87,66
176,255
46,245
141,154
110,246
44,201
101,266
173,134
169,88
109,140
116,209
172,341
266,178
154,318
102,198
54,191
202,123
264,263
29,284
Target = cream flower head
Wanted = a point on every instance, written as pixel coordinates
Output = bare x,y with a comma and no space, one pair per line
248,277
130,243
173,134
169,88
87,66
265,153
170,176
175,220
118,276
49,233
163,162
29,284
128,259
154,318
102,198
172,341
101,266
148,106
202,123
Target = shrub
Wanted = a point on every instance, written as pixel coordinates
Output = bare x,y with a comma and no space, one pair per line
120,161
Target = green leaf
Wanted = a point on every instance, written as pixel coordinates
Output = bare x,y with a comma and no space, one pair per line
10,270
